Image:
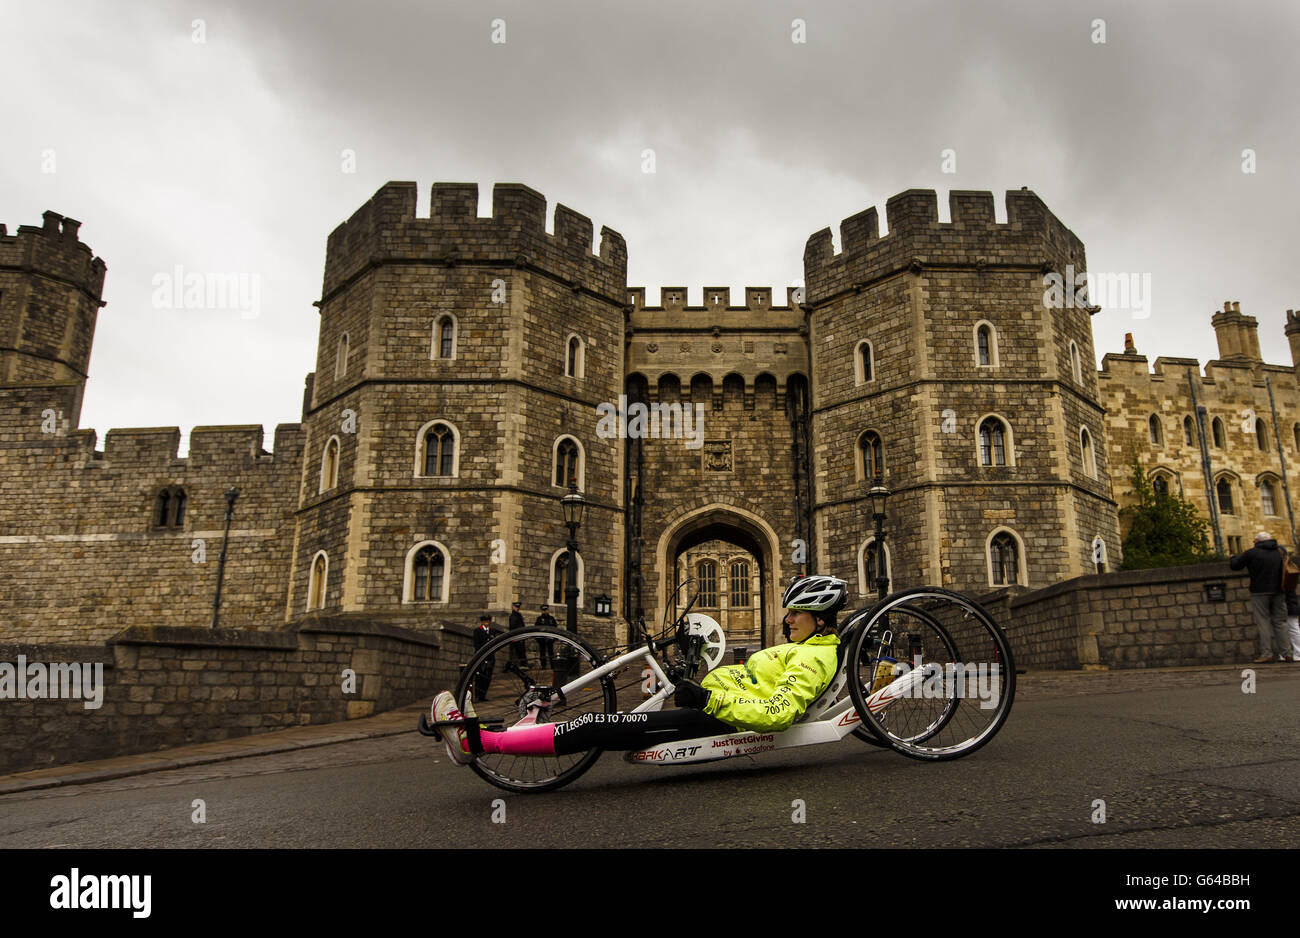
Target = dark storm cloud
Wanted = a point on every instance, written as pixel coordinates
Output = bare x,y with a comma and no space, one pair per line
759,141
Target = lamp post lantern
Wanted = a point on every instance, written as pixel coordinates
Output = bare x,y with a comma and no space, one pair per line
573,507
879,496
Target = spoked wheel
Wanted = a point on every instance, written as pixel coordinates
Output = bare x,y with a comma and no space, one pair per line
527,665
950,669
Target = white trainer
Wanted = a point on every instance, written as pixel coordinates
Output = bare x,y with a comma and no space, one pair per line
444,708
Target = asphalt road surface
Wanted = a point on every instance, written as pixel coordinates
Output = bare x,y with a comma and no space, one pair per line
1175,767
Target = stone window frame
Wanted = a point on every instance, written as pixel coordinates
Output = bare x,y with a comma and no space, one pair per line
1088,452
1022,574
705,582
1008,443
418,469
317,585
578,370
1274,482
860,456
553,568
746,578
1076,363
1156,431
1261,434
341,357
156,509
581,472
1169,476
1218,437
995,358
866,587
435,343
332,477
857,362
1229,478
1189,431
408,577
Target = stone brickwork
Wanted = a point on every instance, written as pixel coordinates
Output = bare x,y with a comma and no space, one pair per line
1130,619
1234,390
169,686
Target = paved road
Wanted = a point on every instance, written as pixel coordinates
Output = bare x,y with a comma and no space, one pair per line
1205,766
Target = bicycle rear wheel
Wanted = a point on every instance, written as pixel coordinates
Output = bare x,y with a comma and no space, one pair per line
967,682
528,665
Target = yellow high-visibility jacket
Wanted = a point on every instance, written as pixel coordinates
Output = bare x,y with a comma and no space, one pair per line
774,687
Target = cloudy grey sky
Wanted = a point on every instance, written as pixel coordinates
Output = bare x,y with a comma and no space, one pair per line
226,155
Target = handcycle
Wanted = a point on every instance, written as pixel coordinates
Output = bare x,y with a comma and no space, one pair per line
925,671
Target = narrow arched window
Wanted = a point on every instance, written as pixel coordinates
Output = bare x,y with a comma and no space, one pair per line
164,508
439,450
707,572
178,500
566,462
1160,487
1188,436
1004,558
984,344
1153,427
871,455
739,585
341,357
1216,432
993,450
445,337
316,587
329,467
865,364
1088,454
1076,364
1224,489
428,569
573,358
1261,435
1266,500
561,571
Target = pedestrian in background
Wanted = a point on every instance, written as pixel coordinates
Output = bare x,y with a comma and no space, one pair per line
1264,563
516,622
546,646
483,676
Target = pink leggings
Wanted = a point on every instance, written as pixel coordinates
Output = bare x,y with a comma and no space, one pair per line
617,731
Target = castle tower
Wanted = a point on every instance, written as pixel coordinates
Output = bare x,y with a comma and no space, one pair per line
1237,334
958,358
460,364
50,289
1293,337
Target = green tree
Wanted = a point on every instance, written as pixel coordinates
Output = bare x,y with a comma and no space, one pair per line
1164,529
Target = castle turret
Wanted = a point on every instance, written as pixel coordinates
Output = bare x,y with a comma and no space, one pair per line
1238,334
1293,336
50,289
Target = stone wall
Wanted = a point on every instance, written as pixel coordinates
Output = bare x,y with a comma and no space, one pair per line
173,686
1130,619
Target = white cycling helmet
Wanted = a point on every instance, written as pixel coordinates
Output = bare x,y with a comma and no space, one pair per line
816,594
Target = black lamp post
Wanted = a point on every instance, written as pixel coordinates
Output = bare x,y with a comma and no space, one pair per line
573,505
879,495
232,493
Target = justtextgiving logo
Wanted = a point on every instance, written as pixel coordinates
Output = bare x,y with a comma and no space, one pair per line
56,681
651,421
195,290
1109,289
78,891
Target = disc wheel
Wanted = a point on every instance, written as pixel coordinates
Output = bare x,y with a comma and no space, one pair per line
967,682
523,666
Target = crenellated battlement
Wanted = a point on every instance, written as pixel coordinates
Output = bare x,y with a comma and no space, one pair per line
54,249
157,447
387,228
674,299
1031,236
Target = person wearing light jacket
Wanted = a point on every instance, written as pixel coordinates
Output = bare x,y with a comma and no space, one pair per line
767,694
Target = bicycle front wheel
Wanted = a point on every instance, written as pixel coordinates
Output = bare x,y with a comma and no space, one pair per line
519,668
951,668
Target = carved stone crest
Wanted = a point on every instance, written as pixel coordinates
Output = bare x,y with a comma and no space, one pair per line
717,455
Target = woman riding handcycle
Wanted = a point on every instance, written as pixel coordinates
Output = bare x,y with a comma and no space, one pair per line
566,717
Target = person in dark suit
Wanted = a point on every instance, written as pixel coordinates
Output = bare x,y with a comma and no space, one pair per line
483,677
546,646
